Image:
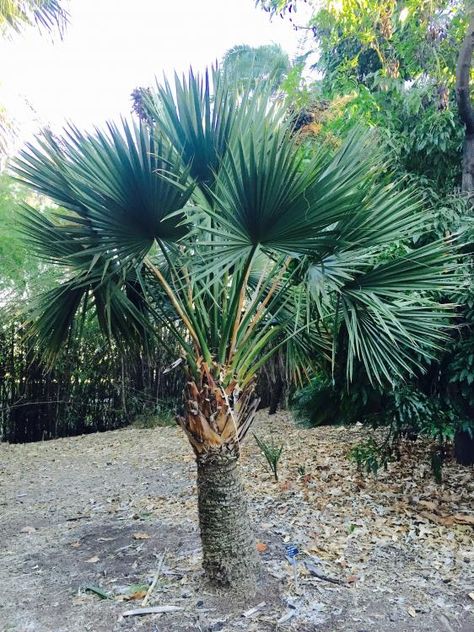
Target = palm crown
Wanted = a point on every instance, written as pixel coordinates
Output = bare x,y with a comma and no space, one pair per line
214,217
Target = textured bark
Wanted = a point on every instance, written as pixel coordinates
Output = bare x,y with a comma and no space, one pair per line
468,164
216,418
229,552
466,111
216,415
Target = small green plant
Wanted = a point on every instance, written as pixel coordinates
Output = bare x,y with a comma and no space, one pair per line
301,470
437,459
271,452
368,456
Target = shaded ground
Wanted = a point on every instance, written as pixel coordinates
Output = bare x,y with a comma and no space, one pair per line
101,510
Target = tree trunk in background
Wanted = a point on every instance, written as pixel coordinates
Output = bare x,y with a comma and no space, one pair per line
464,448
276,395
468,164
228,543
466,111
464,443
274,381
216,419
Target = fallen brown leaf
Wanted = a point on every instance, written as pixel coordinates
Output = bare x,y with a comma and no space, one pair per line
140,535
139,594
464,519
445,521
261,547
427,504
93,560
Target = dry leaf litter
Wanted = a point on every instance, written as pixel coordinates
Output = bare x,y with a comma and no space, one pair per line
97,527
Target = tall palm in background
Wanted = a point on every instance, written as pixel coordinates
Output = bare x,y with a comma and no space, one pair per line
247,66
213,222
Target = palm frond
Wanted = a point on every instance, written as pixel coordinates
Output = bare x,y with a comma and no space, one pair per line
268,194
433,267
49,15
196,115
114,202
392,338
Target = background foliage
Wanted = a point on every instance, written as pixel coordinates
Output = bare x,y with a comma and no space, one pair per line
392,66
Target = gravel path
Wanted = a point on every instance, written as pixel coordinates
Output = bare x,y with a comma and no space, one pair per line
100,511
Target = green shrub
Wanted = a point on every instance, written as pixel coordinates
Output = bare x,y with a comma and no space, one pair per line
367,456
162,416
404,411
322,403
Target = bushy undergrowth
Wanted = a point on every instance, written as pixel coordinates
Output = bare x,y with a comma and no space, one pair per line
162,415
390,415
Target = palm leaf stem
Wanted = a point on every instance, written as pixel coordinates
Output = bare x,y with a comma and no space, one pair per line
171,295
261,308
241,293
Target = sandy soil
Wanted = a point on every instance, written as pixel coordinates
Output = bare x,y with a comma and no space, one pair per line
108,511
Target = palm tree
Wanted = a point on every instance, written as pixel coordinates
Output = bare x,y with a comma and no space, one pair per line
247,66
214,222
47,14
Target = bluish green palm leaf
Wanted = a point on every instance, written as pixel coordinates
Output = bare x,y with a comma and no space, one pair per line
114,202
197,116
267,194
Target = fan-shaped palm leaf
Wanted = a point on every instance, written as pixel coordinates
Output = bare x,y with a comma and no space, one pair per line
114,203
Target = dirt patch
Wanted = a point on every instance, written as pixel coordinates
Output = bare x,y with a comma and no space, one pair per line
101,511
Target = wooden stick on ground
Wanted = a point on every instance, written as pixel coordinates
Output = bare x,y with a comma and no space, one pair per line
155,579
154,610
316,573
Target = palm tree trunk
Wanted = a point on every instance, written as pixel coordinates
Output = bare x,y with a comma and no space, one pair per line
216,419
229,553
